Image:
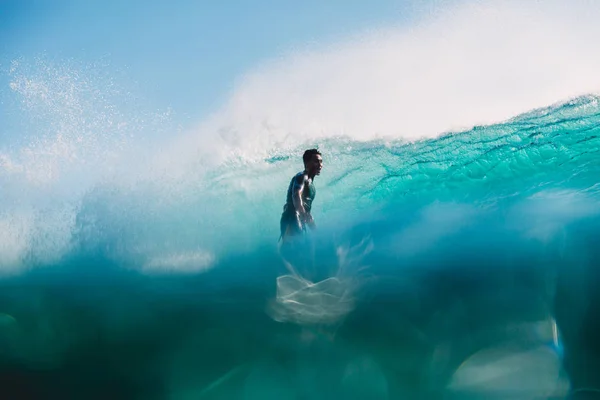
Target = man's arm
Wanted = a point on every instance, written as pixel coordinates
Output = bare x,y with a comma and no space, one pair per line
297,195
298,203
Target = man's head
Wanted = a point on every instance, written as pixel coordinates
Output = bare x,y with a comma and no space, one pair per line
313,162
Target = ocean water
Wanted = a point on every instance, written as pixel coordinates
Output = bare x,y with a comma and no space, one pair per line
460,266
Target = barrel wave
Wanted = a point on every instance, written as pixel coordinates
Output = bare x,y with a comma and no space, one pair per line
462,266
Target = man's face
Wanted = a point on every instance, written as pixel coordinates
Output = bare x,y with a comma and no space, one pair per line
316,164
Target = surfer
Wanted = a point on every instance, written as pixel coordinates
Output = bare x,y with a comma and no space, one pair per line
300,195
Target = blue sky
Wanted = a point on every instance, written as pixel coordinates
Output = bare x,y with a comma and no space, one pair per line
181,54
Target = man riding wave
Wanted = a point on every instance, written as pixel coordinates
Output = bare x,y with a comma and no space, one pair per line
301,192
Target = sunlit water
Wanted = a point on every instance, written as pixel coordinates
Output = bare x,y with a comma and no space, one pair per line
139,264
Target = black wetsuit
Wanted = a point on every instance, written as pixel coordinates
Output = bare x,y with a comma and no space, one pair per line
290,219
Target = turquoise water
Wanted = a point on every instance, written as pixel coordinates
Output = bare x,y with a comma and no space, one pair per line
459,267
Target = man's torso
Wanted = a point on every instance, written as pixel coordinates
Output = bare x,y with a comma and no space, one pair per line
308,192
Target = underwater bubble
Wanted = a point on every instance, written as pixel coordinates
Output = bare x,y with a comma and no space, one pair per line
518,373
301,301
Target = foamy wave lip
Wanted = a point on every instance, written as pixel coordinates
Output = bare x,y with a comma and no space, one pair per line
466,65
181,262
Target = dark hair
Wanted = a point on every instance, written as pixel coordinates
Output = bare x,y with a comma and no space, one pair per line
309,154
